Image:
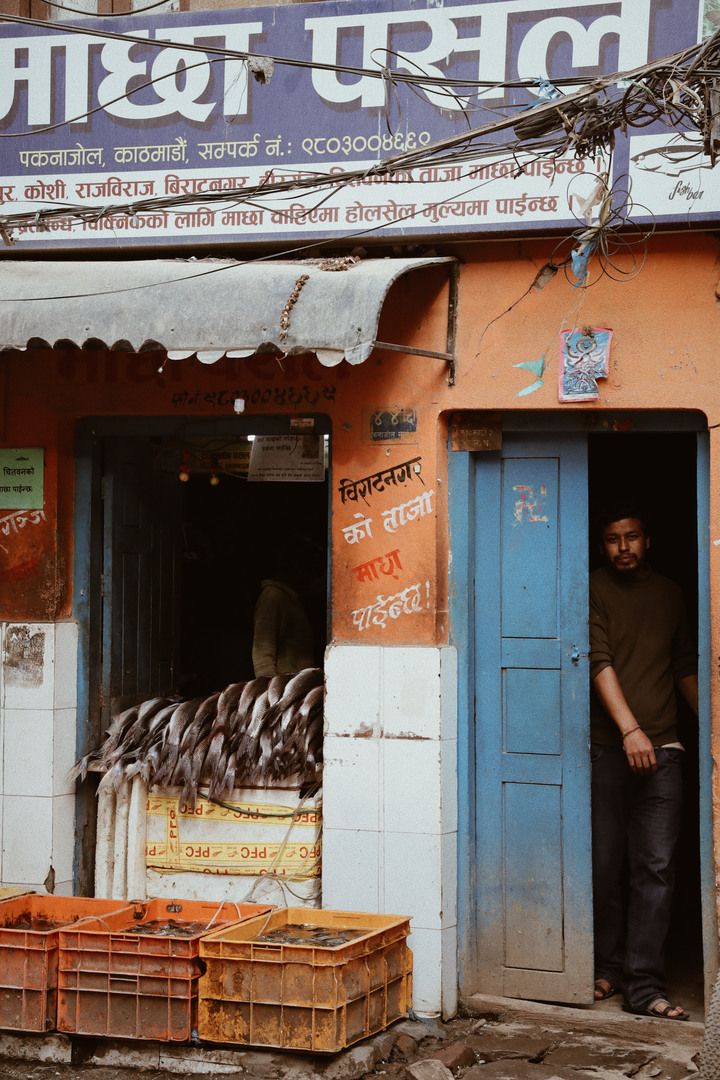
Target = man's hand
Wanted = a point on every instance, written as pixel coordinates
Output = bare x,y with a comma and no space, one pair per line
640,753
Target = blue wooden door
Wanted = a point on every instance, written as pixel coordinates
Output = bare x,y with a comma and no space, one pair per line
533,872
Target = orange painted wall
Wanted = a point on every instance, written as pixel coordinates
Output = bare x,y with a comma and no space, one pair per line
666,322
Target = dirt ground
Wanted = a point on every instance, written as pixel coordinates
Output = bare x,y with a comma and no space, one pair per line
499,1040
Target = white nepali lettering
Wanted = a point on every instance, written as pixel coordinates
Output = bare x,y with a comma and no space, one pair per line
166,63
162,152
235,36
122,72
476,37
215,151
376,30
78,155
390,607
354,533
38,74
184,76
489,49
19,519
404,512
632,26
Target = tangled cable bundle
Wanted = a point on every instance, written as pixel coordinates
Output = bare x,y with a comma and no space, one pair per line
250,734
616,241
681,91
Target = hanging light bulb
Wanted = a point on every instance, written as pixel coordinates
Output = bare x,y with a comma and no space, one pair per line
214,478
184,474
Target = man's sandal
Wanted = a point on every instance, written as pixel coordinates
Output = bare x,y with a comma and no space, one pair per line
603,990
660,1008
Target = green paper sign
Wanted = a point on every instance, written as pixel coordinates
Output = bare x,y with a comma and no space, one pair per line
21,479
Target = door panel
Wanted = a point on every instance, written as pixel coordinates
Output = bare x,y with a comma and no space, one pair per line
140,562
533,810
531,704
528,546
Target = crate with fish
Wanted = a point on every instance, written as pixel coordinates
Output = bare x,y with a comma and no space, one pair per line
29,926
305,980
134,974
207,766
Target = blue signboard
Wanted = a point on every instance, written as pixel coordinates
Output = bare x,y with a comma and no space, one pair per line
157,129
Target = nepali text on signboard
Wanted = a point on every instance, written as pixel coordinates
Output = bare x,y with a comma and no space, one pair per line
146,142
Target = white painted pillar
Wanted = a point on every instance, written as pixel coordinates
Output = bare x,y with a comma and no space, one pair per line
390,800
38,720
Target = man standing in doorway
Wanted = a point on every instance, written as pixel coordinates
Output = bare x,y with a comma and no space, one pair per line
640,652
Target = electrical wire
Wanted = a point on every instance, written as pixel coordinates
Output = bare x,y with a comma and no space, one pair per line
305,246
316,65
101,108
583,121
555,264
104,15
594,134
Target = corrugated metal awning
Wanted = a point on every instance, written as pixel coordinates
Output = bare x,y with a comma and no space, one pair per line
209,307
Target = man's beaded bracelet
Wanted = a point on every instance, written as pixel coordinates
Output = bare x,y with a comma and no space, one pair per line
636,728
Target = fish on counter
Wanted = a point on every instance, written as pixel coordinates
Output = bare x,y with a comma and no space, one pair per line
249,734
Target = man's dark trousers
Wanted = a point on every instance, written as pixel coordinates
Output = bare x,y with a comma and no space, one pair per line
638,816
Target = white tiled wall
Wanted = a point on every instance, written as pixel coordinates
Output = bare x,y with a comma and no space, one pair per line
37,749
389,787
390,800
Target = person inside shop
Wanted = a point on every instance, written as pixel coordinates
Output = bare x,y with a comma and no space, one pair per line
640,653
282,633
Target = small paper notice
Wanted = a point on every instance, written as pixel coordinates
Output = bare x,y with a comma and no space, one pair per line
21,479
284,458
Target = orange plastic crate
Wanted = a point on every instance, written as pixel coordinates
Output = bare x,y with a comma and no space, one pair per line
304,996
29,926
116,981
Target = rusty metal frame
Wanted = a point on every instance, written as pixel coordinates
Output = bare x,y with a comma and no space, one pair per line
451,348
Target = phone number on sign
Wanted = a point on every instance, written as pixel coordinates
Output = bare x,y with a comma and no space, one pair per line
360,144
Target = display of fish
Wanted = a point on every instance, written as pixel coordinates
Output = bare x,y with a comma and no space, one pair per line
249,734
181,717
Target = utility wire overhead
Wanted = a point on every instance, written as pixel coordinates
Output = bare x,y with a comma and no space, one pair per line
582,121
378,72
234,54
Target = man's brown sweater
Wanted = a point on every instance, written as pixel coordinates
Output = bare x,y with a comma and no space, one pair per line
639,629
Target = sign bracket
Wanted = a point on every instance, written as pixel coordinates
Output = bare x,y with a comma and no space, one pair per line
451,352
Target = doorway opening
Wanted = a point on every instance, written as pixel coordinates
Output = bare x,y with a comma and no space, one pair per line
177,525
664,459
659,470
188,528
234,534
